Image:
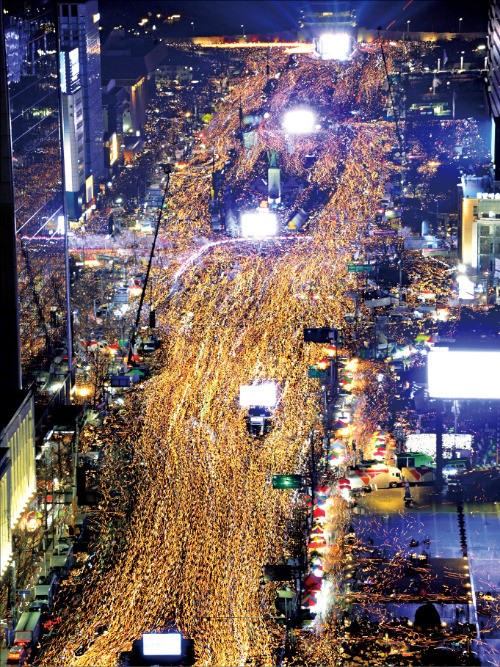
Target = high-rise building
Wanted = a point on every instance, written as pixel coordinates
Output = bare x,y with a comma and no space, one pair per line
17,441
494,81
32,73
81,102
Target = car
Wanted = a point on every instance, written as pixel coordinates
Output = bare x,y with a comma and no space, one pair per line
454,468
18,655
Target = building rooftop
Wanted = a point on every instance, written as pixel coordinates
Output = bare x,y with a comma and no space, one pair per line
126,59
471,185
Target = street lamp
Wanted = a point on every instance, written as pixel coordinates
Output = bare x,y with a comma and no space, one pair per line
192,27
408,26
243,29
460,25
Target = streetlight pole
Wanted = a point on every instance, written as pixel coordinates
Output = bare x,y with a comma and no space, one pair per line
167,169
460,25
408,26
243,30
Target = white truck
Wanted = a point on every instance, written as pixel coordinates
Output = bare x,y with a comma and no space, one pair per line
374,475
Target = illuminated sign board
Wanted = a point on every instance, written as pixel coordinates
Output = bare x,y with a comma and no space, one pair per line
162,644
464,374
262,395
287,481
89,188
113,148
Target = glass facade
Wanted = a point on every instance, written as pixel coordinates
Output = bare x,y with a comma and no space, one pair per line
79,34
30,36
488,233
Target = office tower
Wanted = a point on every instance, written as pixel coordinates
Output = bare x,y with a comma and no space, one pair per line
494,81
32,72
17,442
81,102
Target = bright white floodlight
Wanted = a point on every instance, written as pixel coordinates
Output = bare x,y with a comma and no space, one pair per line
334,46
299,121
258,224
263,395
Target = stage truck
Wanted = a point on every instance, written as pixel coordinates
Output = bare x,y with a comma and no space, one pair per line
417,467
371,475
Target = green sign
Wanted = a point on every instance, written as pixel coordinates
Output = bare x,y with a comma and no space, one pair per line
359,268
317,373
287,481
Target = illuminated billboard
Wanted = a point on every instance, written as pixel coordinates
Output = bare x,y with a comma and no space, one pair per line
162,644
426,443
262,395
466,374
113,148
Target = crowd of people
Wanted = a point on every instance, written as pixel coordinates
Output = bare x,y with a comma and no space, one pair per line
186,540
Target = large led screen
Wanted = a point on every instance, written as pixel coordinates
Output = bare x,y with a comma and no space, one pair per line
258,224
426,443
463,373
262,395
162,644
335,46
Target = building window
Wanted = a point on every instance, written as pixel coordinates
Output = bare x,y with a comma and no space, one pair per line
484,246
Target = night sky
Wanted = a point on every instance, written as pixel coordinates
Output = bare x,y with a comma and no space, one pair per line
212,17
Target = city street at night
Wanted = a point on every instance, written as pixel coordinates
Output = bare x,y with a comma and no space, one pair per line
253,412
